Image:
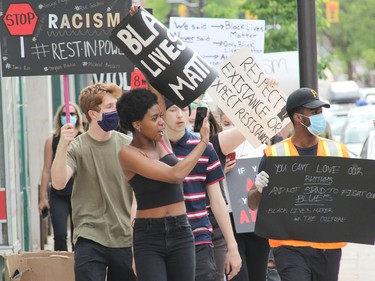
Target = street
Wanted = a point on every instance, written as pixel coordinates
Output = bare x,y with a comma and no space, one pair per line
357,263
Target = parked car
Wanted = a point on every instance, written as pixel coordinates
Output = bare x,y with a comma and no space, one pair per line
343,92
336,116
368,148
359,123
368,95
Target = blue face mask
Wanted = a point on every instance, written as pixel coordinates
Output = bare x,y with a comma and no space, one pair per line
110,121
317,124
73,120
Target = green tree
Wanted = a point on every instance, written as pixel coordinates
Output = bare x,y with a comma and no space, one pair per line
210,9
281,27
353,37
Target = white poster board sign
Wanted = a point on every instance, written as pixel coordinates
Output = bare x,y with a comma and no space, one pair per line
216,39
284,67
242,93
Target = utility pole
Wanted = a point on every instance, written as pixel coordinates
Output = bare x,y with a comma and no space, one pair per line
200,7
307,49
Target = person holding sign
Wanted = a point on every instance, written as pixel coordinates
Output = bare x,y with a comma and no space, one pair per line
205,177
59,200
101,198
302,260
163,241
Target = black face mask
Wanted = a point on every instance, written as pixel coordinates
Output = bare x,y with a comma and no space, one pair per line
110,121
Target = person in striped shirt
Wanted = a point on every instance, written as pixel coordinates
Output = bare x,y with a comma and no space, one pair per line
205,176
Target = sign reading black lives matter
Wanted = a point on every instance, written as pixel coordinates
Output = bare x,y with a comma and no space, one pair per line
70,37
169,65
215,39
243,94
239,181
318,199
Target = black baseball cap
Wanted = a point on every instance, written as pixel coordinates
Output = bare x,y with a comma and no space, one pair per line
305,97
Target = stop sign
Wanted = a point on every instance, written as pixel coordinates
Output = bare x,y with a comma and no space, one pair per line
20,19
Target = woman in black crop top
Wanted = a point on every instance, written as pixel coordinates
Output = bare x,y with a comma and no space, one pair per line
163,242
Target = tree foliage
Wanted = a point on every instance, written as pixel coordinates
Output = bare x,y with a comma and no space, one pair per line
351,40
353,37
281,27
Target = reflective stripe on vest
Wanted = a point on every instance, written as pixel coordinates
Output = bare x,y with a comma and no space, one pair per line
281,149
331,148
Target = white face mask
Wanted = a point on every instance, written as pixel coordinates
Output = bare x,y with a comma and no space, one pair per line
227,127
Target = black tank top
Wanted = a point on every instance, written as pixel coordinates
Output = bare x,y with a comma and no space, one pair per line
152,193
67,191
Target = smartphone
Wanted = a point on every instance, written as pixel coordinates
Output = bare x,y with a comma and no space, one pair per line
45,212
232,156
201,114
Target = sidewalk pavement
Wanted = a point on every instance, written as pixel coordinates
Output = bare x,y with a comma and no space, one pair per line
357,263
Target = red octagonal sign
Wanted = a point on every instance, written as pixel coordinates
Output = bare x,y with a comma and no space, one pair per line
20,19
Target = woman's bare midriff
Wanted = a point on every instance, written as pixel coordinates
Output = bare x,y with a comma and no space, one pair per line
172,210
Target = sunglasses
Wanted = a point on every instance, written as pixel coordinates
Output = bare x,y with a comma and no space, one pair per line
71,114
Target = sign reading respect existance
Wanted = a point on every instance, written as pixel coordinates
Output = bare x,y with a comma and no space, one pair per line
318,199
61,37
171,67
243,94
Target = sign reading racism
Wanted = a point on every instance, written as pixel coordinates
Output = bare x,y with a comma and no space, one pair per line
172,68
318,199
239,181
49,37
242,92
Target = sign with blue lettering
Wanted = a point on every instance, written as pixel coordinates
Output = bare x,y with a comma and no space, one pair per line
318,199
168,64
69,37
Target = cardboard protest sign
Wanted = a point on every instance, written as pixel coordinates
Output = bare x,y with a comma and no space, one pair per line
318,199
239,181
63,37
171,67
121,79
242,93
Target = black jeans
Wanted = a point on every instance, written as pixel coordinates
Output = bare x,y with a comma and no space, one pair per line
61,210
254,252
206,265
93,262
307,264
164,249
220,247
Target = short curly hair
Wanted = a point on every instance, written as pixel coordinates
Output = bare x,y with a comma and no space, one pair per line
133,106
92,96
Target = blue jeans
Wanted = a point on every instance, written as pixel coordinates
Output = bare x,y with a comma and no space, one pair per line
95,262
164,249
61,210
